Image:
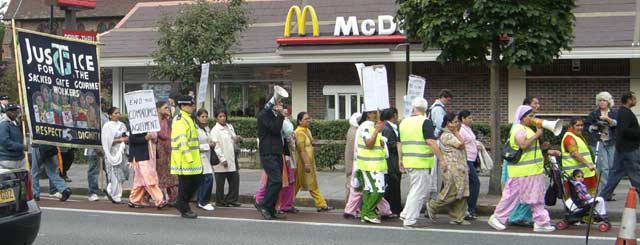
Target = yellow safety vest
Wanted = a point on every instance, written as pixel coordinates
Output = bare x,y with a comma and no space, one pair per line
569,163
185,148
532,161
371,159
415,151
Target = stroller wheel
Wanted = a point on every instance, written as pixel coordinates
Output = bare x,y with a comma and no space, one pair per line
604,227
562,225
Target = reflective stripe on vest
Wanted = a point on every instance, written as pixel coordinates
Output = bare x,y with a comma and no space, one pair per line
371,159
415,151
569,163
185,147
532,161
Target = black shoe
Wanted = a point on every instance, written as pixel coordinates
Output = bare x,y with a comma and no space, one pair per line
265,214
222,205
390,216
277,216
233,204
65,195
162,205
291,210
189,215
470,217
67,179
36,198
325,209
348,216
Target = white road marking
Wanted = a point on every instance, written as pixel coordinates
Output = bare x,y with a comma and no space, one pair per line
495,233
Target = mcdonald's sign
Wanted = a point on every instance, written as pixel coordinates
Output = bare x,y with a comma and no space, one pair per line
301,17
343,31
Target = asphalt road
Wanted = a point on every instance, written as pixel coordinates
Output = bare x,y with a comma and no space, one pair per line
76,224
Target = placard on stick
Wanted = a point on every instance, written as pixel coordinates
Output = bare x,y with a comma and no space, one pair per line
376,90
141,109
415,89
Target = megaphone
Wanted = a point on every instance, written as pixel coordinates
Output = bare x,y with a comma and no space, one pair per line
553,126
278,93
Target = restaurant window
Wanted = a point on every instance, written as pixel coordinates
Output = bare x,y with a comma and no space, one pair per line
342,101
246,99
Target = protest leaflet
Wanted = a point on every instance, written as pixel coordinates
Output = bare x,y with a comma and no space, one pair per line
415,89
141,109
60,80
375,88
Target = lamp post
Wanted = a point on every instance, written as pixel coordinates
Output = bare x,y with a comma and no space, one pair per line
407,54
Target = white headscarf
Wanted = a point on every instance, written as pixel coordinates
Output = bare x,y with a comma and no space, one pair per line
113,154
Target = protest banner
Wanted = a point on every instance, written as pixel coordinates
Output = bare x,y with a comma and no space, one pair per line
204,81
60,88
141,109
415,89
376,90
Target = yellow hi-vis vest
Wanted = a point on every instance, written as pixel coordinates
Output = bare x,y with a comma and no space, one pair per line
531,162
415,151
185,148
371,159
569,163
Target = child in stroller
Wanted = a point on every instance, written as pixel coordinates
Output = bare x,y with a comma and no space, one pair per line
581,203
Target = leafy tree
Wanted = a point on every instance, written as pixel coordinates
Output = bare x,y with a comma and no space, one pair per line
512,33
202,32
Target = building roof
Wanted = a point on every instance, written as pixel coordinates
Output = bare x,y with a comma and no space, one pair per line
599,24
40,9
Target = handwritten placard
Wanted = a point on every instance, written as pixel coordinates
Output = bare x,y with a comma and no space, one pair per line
141,109
204,81
415,89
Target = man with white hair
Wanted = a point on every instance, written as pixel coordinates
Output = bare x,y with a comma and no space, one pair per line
416,152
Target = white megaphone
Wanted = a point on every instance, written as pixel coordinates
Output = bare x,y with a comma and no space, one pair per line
278,93
553,126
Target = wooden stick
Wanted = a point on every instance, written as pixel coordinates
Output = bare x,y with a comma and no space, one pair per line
20,87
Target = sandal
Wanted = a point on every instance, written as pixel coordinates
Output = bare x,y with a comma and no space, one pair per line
292,211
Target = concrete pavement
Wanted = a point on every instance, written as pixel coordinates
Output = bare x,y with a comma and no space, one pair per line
332,186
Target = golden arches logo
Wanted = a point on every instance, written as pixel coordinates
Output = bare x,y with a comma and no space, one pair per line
301,16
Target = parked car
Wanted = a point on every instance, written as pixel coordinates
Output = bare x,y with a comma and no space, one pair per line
19,213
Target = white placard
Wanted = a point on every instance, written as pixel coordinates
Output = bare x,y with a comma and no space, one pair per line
141,110
415,89
359,67
204,81
376,90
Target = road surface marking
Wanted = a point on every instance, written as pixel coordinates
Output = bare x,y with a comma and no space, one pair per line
340,225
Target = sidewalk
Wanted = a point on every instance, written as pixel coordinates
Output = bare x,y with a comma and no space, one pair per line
332,186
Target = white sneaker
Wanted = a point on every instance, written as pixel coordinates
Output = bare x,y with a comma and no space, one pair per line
56,195
207,207
495,223
93,198
543,228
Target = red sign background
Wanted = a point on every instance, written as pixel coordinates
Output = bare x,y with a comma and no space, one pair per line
82,35
89,4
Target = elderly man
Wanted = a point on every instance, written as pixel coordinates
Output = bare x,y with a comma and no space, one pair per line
11,139
416,150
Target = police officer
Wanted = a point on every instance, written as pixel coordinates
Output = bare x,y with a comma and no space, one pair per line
185,155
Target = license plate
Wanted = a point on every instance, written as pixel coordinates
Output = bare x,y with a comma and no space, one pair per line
7,196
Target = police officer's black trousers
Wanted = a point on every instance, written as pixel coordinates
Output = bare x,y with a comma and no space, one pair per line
187,187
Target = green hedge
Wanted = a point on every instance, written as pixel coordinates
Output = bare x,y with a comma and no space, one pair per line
329,155
247,127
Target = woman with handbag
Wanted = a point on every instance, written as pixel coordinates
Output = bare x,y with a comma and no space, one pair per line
526,176
226,168
471,149
206,186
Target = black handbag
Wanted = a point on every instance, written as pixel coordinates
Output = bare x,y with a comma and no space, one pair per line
214,158
509,154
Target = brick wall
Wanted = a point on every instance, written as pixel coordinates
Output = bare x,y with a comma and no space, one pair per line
322,74
562,90
469,85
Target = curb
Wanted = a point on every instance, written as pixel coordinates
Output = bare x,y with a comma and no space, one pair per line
481,209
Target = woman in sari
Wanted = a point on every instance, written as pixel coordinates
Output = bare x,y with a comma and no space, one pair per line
142,159
114,137
455,177
306,169
167,182
203,195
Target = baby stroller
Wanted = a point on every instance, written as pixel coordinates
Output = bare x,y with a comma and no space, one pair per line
577,209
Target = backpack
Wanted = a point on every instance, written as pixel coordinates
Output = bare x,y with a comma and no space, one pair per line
431,108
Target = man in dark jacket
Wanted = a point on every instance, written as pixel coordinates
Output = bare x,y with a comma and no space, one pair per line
271,147
627,156
394,175
11,140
